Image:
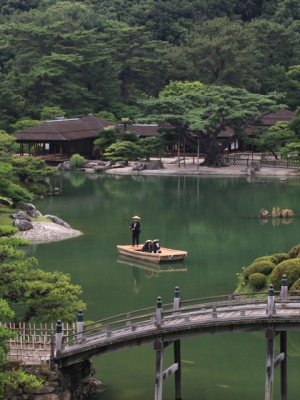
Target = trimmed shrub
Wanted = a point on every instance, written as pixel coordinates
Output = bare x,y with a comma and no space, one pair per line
272,259
262,267
6,230
295,286
77,161
281,257
257,281
14,241
40,188
291,268
293,253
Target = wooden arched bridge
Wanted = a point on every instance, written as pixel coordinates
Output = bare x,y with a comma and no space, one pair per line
182,319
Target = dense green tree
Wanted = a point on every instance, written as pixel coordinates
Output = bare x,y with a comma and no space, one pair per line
51,113
179,88
31,168
106,138
7,145
275,138
222,53
123,151
14,192
34,293
152,146
58,58
128,136
138,59
275,50
207,113
24,123
12,377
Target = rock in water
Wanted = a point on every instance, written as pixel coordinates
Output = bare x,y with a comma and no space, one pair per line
287,213
276,212
263,213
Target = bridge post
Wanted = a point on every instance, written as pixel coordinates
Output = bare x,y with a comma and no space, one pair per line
270,336
284,289
177,351
270,301
283,365
158,313
176,304
79,325
159,347
58,338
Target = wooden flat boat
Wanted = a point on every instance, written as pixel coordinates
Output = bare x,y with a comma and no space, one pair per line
165,255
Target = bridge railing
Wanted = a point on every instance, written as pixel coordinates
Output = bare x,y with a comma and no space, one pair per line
155,317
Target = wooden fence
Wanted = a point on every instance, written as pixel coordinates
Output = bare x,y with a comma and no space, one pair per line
246,159
32,344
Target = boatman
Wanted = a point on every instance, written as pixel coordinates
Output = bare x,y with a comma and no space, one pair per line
147,248
156,246
135,227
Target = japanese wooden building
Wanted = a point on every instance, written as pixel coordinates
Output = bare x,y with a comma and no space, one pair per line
62,137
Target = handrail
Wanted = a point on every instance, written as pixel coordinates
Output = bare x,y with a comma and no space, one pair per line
203,306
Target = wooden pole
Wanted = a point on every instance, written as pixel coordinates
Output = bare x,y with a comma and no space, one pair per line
177,360
177,353
158,346
176,304
179,150
283,366
80,325
198,153
158,313
270,301
60,151
284,289
184,149
58,338
269,335
52,365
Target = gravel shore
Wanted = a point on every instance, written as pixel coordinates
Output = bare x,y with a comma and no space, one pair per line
171,168
47,232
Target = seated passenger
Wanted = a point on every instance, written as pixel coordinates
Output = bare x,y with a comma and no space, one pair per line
147,246
156,246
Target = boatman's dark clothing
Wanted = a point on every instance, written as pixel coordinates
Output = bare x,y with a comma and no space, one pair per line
156,248
135,228
147,248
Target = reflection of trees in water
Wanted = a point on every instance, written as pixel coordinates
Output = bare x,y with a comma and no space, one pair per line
77,178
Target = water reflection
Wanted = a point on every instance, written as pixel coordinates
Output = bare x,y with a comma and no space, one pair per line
152,270
276,221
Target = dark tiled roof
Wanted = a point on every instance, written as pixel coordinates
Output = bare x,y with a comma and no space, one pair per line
281,115
268,120
88,127
142,130
64,129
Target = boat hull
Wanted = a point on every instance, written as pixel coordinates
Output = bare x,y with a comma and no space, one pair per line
165,255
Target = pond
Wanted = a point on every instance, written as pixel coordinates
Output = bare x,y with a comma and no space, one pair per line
216,220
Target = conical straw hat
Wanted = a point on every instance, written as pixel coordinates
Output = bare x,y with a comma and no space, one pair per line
136,217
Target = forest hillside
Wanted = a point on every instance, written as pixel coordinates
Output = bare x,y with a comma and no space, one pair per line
75,57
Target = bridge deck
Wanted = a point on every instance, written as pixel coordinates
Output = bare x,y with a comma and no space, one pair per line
131,329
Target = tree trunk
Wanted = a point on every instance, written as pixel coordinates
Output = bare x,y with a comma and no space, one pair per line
212,160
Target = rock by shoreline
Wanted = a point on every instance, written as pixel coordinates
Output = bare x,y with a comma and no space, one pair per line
47,232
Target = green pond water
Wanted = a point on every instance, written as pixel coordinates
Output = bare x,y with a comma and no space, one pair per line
215,220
